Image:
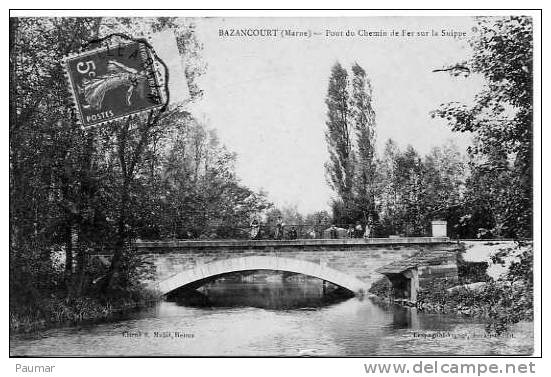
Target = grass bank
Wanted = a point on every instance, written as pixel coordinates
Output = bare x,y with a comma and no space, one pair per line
502,303
56,310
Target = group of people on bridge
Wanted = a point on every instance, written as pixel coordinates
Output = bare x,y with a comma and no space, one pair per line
281,231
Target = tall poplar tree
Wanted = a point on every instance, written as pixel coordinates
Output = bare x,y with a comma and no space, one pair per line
340,167
363,116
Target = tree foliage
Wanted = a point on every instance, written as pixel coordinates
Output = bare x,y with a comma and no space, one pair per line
501,121
488,193
76,192
399,193
363,117
414,190
340,168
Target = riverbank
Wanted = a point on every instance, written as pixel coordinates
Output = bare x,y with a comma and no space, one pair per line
502,299
56,311
501,303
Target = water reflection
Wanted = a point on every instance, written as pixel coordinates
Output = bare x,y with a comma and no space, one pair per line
405,318
276,316
262,289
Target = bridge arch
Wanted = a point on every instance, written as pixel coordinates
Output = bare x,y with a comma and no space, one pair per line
203,272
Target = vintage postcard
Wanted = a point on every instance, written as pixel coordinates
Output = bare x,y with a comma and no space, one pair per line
273,186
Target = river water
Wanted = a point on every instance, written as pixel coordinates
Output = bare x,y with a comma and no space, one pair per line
271,315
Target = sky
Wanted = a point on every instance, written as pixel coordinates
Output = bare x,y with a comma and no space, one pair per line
265,96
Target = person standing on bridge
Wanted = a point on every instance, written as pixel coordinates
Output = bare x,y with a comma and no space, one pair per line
279,228
367,233
293,234
255,227
368,228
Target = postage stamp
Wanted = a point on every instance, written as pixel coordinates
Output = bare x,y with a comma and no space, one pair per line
113,82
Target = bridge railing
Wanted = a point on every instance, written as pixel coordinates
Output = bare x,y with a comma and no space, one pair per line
305,231
268,232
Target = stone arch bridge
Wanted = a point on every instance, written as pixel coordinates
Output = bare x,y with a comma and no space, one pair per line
349,263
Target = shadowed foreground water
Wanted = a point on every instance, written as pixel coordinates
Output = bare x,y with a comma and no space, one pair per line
274,317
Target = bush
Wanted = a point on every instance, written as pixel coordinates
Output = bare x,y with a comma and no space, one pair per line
472,272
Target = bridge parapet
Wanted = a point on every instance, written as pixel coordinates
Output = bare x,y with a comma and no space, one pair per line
307,244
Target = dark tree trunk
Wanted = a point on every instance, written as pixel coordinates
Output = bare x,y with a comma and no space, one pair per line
120,245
